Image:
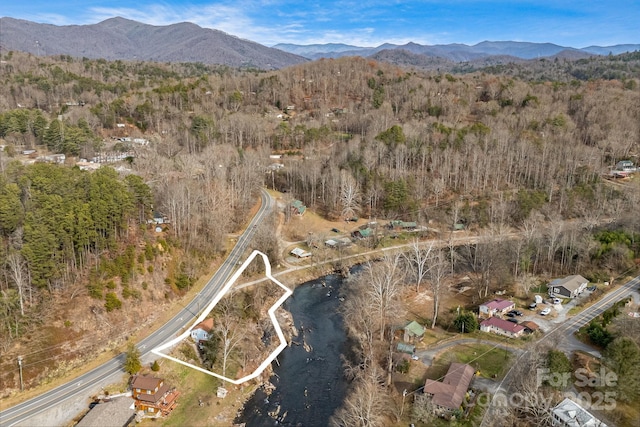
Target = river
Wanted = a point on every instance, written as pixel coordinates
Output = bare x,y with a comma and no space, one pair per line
309,385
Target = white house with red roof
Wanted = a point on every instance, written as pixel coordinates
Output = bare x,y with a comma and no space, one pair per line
500,326
496,307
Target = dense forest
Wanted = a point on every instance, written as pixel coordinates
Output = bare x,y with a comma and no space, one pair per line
492,150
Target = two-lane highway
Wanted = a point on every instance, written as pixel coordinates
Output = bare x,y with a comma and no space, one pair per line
22,412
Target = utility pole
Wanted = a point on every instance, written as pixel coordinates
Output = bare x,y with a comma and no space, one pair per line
20,365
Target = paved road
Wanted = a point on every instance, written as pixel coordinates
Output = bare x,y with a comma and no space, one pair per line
83,385
559,334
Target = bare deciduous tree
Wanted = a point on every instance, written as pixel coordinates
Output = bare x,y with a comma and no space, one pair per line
417,258
17,272
366,404
349,195
228,328
438,270
384,279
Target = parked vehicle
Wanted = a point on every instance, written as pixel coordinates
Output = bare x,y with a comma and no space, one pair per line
516,312
512,320
545,311
533,306
510,314
557,301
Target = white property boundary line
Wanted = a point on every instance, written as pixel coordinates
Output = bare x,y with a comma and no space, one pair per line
214,302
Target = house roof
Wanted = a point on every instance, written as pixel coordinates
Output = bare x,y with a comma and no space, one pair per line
451,391
365,232
406,348
507,326
145,382
115,412
570,283
206,325
498,304
531,325
300,252
574,415
415,328
299,206
155,397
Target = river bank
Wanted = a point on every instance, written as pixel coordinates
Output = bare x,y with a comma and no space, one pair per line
307,384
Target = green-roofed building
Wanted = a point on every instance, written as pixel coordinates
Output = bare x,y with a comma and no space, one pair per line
298,208
403,347
413,331
397,224
365,232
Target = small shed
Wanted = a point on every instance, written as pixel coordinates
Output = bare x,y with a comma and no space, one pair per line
361,234
530,326
406,348
300,253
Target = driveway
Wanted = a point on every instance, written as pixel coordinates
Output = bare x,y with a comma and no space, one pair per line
558,313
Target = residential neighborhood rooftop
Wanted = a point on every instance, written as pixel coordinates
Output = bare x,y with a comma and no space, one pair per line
451,391
205,325
570,414
570,282
115,412
505,325
498,304
145,382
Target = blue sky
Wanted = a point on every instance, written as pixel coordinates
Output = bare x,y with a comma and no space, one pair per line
575,23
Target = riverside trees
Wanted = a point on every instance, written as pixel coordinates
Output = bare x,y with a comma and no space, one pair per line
361,137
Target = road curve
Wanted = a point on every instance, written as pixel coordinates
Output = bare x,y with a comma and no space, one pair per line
82,384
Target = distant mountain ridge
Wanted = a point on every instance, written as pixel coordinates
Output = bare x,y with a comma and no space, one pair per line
119,38
458,52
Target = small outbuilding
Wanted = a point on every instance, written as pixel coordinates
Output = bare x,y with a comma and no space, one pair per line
300,253
406,348
530,326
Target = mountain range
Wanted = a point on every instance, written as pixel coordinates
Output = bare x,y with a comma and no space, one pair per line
458,52
119,38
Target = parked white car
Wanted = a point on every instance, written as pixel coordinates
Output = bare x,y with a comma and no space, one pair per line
557,301
545,311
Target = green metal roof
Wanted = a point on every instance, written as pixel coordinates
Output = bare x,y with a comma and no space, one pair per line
366,232
415,328
299,206
406,348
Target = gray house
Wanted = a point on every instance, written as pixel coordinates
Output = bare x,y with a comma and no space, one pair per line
569,287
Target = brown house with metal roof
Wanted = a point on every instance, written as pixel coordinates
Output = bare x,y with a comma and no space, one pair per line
152,395
449,394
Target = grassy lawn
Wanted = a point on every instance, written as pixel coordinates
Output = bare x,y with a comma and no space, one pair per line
198,404
490,362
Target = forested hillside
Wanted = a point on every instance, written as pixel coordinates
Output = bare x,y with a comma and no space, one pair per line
356,136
